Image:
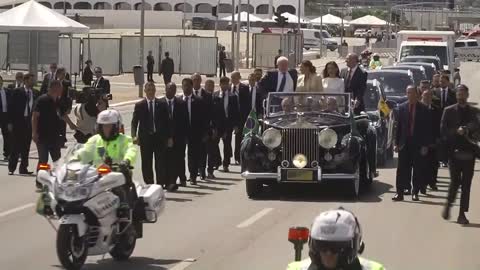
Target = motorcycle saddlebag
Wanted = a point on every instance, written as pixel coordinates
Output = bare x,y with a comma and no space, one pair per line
154,199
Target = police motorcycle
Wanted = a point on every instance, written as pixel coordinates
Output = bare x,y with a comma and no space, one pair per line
86,201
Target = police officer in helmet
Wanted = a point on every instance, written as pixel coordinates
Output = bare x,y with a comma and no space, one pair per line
335,244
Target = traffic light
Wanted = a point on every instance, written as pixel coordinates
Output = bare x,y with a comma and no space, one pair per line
281,20
451,4
214,11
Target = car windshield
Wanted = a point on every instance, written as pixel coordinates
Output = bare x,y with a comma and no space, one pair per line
291,103
439,51
394,84
429,70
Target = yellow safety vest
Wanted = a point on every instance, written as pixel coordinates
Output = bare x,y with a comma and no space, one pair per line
305,264
96,150
375,64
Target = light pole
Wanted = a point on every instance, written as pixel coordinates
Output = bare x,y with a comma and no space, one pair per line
239,23
232,44
216,17
184,16
142,46
299,13
248,34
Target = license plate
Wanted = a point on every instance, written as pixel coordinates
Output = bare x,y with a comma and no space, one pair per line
299,175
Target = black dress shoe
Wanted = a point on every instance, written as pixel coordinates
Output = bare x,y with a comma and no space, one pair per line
397,198
172,187
462,219
10,173
193,181
211,176
434,187
415,198
25,172
203,177
183,183
446,213
423,191
225,169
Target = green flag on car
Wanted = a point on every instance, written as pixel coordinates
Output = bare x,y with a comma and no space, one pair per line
251,125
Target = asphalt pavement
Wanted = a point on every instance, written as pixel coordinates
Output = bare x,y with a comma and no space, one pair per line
214,226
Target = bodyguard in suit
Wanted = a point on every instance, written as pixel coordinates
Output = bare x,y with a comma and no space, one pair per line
214,158
20,124
460,125
150,119
255,101
199,91
355,79
100,81
18,81
431,170
228,113
242,91
4,96
445,96
50,76
281,79
197,127
413,136
167,68
176,137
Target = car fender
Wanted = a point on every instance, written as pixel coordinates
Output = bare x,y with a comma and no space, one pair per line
77,220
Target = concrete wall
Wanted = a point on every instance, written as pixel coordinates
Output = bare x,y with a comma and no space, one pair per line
131,18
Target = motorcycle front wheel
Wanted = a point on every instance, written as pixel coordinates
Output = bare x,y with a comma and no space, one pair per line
72,250
123,249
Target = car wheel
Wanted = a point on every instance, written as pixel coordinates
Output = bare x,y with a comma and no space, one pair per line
366,176
353,189
333,49
254,188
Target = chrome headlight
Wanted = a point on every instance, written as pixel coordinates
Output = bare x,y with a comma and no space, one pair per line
272,138
327,138
300,161
74,192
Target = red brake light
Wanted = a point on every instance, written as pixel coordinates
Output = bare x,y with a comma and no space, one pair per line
43,167
298,234
104,169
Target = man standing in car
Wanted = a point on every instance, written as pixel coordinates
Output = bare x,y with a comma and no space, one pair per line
355,79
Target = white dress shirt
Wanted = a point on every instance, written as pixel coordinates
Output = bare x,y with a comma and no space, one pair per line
226,96
3,95
29,105
151,110
189,106
198,92
288,84
253,93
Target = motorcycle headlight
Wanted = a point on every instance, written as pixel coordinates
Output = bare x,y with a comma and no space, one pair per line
72,192
71,175
272,138
327,138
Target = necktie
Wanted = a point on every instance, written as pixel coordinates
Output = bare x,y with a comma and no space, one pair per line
283,82
196,92
411,119
225,103
152,116
170,111
189,110
234,90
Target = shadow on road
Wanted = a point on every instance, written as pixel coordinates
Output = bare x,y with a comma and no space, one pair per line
178,199
137,263
324,193
472,225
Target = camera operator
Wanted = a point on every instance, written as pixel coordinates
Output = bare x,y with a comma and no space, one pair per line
89,105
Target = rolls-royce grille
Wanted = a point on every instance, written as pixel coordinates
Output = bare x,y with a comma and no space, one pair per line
300,141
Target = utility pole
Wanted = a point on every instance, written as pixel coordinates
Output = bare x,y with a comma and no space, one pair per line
216,17
142,46
299,16
184,16
239,23
232,44
248,35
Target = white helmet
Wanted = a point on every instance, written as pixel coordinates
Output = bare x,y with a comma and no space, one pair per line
339,231
109,117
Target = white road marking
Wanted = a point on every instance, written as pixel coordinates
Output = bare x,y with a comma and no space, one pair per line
254,218
17,209
184,264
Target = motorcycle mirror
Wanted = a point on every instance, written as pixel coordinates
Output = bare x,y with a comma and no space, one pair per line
298,236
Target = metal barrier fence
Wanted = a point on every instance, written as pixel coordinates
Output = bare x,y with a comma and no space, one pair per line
105,52
266,46
131,51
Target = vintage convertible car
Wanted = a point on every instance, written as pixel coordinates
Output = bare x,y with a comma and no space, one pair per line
382,121
309,138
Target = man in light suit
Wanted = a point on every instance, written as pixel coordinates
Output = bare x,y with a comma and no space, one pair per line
355,79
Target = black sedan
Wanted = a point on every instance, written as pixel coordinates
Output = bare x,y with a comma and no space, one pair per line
393,82
418,72
430,68
424,58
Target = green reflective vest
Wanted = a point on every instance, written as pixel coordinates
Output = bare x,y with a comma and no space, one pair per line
305,264
96,150
375,64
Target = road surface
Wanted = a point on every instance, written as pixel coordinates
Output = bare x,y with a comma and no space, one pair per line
214,226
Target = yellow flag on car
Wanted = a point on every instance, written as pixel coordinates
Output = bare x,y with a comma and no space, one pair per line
383,107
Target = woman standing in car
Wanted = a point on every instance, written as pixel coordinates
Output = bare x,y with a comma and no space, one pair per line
309,81
332,83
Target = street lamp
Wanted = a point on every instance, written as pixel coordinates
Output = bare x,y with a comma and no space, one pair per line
142,46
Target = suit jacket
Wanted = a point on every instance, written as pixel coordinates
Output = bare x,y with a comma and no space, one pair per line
269,82
46,82
208,100
197,126
436,117
451,122
245,102
102,83
357,85
258,106
141,118
422,131
167,67
177,123
17,104
4,116
223,122
451,98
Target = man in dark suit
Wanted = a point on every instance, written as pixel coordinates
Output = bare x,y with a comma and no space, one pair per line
242,91
445,96
228,118
221,62
279,80
4,96
101,82
431,170
150,65
255,101
52,75
65,101
199,91
18,81
413,136
151,119
460,126
167,68
20,124
197,127
176,137
214,158
355,79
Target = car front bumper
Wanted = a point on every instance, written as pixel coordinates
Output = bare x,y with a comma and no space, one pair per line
282,175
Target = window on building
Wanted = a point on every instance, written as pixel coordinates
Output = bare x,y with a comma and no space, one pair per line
263,9
179,7
203,8
59,5
123,6
225,8
162,7
82,5
47,4
102,5
246,8
286,8
138,6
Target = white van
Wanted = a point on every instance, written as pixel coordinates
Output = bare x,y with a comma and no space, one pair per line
467,49
311,39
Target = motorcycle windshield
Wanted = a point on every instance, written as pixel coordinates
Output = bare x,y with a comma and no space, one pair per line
71,168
